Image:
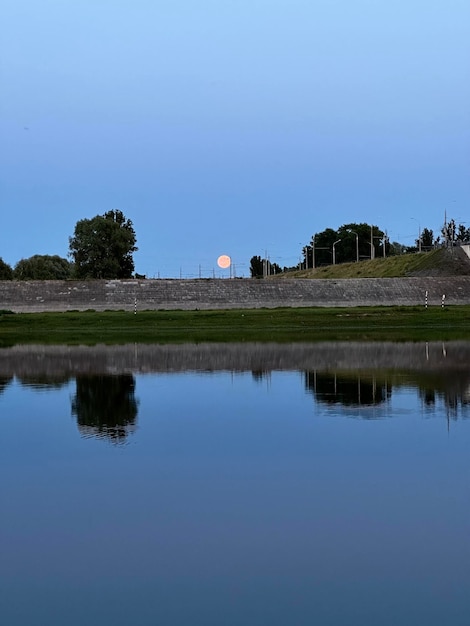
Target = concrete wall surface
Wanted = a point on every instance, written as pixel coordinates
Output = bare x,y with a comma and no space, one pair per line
466,248
153,294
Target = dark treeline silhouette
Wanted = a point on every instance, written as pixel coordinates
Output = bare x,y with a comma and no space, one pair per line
101,247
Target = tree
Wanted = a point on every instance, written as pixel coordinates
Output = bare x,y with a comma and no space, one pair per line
43,267
427,239
102,247
453,233
448,232
323,243
396,248
259,268
367,234
463,233
256,267
355,241
6,272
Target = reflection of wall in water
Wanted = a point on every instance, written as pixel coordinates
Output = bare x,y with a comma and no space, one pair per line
44,381
347,390
105,406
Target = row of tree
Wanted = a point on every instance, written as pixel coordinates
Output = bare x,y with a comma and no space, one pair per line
356,242
101,247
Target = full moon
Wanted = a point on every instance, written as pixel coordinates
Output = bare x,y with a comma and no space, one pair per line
224,261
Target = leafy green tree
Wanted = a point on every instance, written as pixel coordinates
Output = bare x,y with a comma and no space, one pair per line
366,234
449,232
102,247
256,267
396,248
355,241
6,272
463,233
43,267
427,239
323,244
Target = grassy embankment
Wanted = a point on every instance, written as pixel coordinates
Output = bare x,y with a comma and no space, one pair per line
414,323
439,262
279,325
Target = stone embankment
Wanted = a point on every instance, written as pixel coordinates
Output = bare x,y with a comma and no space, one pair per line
166,294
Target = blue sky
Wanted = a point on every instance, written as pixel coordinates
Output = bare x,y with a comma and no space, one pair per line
232,127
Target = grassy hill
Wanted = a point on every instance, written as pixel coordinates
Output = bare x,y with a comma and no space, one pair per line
441,262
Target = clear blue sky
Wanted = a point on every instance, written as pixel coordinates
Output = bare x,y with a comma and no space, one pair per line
231,126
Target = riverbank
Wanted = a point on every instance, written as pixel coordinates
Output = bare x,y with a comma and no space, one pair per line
238,325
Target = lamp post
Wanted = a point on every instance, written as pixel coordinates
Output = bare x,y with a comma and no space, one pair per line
419,233
334,254
357,244
313,252
385,239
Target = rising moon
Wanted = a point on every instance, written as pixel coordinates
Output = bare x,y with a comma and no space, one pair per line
224,261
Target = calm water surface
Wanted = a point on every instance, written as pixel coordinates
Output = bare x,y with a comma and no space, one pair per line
333,495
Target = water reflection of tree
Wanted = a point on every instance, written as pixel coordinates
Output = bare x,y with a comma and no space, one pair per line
347,390
260,375
4,382
105,406
451,387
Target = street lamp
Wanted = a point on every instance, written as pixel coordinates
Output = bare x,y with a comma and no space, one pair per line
385,239
419,233
357,244
334,257
305,251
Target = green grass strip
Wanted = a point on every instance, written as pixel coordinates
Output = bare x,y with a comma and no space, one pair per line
278,325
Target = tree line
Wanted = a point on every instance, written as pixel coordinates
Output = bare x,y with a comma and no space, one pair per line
357,242
101,247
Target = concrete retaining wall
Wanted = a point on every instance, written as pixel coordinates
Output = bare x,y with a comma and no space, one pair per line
100,295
